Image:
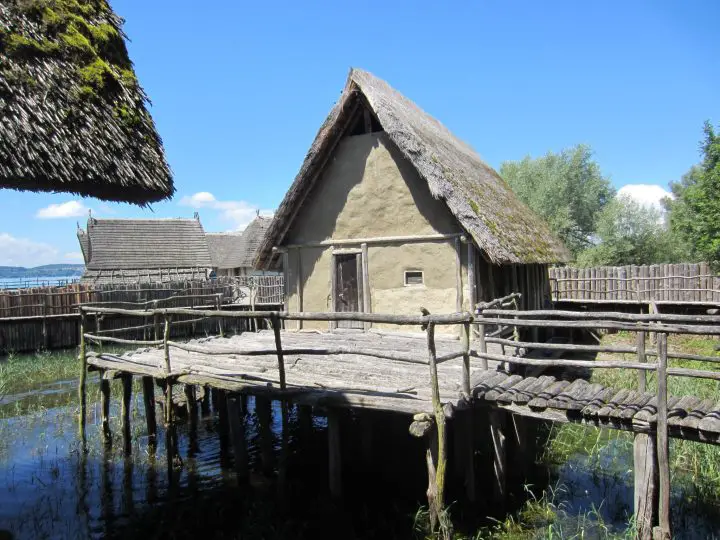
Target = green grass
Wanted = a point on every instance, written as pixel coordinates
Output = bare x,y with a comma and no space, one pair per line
23,372
694,466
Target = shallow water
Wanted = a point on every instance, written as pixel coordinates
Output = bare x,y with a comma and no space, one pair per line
50,488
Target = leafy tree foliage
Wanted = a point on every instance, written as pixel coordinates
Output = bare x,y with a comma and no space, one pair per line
566,189
695,211
629,232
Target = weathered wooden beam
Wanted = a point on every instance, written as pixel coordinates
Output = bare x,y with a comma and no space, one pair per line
149,401
367,302
82,390
263,410
436,498
105,407
237,430
127,381
498,438
645,485
334,452
663,448
377,240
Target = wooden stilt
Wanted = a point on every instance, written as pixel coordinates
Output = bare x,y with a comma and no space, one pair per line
367,425
464,440
646,479
223,423
436,489
522,432
264,414
82,391
499,454
663,450
334,454
205,403
237,429
305,419
105,406
149,401
127,381
168,380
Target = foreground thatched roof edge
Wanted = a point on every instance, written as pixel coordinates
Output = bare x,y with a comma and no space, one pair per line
504,228
73,116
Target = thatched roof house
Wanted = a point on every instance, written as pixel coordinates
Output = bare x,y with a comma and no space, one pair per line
147,250
233,254
73,116
382,204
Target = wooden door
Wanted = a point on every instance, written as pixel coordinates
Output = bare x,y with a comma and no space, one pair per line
347,289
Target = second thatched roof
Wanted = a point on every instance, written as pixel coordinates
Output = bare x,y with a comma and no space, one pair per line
238,249
502,226
73,116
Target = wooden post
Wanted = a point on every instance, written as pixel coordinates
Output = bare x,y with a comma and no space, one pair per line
482,345
305,420
82,393
218,305
263,410
168,382
436,489
646,479
46,312
105,406
498,437
663,450
367,305
191,406
149,401
642,358
298,285
237,430
465,344
286,281
205,403
127,381
472,292
465,455
334,455
278,346
458,276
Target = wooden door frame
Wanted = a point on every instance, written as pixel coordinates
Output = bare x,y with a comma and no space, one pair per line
360,254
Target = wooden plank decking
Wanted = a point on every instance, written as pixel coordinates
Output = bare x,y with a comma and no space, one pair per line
347,379
359,381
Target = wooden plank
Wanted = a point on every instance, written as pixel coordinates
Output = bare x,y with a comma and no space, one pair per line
237,432
488,383
604,411
149,402
542,398
597,402
645,484
696,414
677,413
508,396
458,277
367,301
573,397
497,390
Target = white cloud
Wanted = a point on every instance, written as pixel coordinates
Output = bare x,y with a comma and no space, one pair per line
646,194
74,256
24,252
63,210
238,213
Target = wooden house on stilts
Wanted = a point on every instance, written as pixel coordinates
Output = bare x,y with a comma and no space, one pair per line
390,212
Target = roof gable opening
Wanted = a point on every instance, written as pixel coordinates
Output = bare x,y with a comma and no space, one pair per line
363,121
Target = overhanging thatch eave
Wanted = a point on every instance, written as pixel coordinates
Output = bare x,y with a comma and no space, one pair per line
70,121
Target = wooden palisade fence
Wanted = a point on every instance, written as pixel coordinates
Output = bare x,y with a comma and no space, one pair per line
660,283
48,317
651,435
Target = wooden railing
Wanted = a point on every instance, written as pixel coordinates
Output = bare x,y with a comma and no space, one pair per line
664,283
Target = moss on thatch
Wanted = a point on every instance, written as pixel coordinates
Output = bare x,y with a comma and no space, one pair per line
72,115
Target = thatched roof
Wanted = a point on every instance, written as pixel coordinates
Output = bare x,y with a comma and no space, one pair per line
131,244
484,205
84,241
73,117
238,250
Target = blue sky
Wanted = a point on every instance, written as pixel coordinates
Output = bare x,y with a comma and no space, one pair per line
239,90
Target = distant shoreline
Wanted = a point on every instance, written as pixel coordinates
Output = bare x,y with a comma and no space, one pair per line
67,271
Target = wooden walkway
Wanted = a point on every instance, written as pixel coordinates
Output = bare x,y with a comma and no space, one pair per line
344,379
339,378
548,398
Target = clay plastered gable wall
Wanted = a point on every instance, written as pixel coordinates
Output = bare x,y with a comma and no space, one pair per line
369,190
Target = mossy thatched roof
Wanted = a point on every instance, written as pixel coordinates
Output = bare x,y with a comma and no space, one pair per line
500,224
73,117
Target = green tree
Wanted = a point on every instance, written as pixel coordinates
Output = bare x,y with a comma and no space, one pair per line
566,189
631,233
695,209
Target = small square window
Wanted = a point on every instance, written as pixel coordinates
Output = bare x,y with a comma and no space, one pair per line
413,278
